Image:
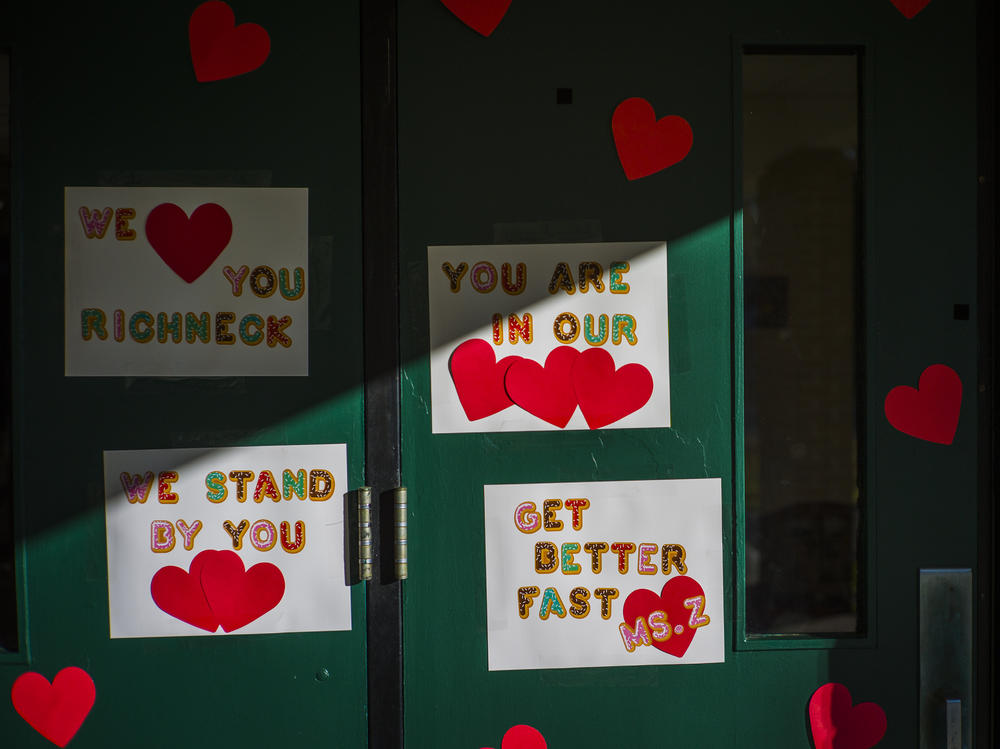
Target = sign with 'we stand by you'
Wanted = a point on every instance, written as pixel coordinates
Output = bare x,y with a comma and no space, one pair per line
548,336
186,281
236,540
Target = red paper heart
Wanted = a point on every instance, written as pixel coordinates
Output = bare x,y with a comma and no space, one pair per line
478,378
238,597
180,594
606,395
523,737
910,8
189,246
645,145
55,710
929,412
671,600
836,724
221,49
480,15
545,392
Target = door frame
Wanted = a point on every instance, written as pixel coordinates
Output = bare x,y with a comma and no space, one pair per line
987,640
381,279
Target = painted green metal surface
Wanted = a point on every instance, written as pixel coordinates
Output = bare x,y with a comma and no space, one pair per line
484,144
104,94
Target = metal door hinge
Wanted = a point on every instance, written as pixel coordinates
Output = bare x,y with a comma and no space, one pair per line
366,554
399,532
393,501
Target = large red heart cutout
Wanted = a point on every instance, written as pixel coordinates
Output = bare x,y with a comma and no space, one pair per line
189,246
910,8
221,49
55,710
523,737
836,724
546,392
480,15
479,377
606,395
238,597
676,591
930,411
647,145
180,594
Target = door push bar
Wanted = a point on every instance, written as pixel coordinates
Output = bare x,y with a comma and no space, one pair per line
366,539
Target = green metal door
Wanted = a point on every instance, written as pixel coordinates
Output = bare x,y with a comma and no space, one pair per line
779,364
105,95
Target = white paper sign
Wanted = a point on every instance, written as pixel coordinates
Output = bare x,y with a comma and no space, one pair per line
548,337
245,540
625,573
186,281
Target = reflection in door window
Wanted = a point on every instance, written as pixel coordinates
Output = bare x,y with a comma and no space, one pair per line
801,256
8,596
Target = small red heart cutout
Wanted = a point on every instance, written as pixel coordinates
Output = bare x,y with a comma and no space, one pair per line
931,410
672,598
189,246
545,392
180,594
606,395
647,145
523,737
836,724
479,377
221,49
910,8
238,597
479,15
55,710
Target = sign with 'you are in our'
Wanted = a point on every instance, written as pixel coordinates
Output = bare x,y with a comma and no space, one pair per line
548,336
186,281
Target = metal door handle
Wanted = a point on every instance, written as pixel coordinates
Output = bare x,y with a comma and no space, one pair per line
946,658
953,723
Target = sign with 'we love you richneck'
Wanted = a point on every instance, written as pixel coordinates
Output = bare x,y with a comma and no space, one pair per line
186,281
548,336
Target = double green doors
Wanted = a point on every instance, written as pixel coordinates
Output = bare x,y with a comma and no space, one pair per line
819,220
